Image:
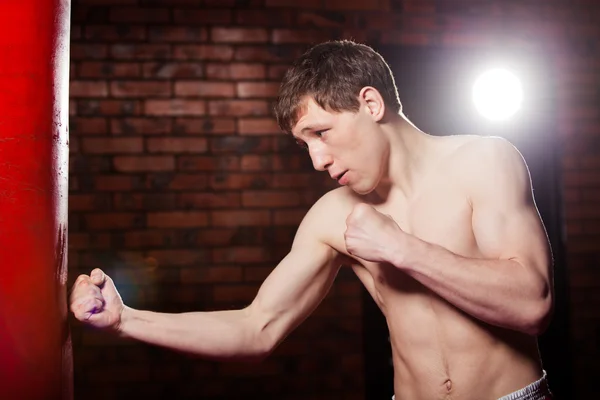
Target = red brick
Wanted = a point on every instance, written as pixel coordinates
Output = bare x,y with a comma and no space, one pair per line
202,16
235,293
89,126
112,145
238,108
264,17
265,53
418,6
395,37
75,32
203,52
140,51
143,201
257,89
144,163
140,126
113,182
179,257
304,36
180,181
255,162
88,202
175,107
589,194
177,219
291,162
581,178
256,274
240,144
270,199
244,254
109,107
258,126
119,373
583,211
112,32
360,5
208,163
277,72
101,221
176,145
72,107
88,89
204,126
289,217
209,200
87,51
145,238
239,35
96,69
177,34
295,3
140,89
585,244
232,181
204,89
460,39
216,274
139,14
215,237
235,71
240,218
86,241
589,161
173,70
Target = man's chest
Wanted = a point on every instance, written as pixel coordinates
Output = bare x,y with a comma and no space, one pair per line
440,215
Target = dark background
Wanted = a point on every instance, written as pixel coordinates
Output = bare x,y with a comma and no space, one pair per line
182,188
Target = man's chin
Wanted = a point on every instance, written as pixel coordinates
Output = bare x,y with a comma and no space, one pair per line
361,190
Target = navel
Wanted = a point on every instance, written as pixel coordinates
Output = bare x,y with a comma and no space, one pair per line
448,385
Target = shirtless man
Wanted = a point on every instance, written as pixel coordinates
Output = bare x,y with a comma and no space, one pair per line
442,231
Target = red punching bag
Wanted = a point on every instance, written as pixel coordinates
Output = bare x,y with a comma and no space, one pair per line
35,346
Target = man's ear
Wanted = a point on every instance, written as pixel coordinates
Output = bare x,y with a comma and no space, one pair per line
373,101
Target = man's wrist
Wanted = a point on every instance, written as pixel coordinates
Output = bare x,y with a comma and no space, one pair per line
124,317
403,250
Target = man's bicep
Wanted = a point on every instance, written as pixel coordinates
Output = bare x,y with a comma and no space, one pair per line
506,222
294,289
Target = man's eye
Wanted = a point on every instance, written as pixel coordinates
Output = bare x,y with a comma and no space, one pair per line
301,144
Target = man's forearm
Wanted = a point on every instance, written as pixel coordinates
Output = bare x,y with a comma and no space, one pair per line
218,335
500,292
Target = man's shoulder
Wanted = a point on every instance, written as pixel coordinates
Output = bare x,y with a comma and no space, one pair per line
482,162
473,155
327,216
338,201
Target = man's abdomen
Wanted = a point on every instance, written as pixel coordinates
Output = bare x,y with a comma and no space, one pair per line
441,353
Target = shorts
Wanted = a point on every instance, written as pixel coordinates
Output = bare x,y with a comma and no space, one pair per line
537,390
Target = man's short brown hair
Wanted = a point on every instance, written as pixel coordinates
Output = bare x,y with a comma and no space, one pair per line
333,73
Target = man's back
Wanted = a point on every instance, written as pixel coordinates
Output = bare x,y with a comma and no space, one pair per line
439,352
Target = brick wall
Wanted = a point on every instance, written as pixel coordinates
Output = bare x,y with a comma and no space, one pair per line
182,188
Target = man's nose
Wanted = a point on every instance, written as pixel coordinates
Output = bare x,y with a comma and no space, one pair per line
320,159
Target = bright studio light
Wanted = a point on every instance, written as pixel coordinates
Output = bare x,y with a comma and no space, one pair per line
497,94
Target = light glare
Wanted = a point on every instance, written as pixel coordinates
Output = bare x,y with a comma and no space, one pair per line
497,94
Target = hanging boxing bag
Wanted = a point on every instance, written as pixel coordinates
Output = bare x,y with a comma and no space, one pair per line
35,346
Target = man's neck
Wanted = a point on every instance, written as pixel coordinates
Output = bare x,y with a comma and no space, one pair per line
410,156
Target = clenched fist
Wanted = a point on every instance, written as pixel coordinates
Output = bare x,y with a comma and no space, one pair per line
371,235
95,301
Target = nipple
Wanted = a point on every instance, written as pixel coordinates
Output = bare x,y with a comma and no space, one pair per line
448,385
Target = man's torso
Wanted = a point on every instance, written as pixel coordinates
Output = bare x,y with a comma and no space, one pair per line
439,352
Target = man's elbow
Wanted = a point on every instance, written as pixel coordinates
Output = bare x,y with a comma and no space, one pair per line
540,315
